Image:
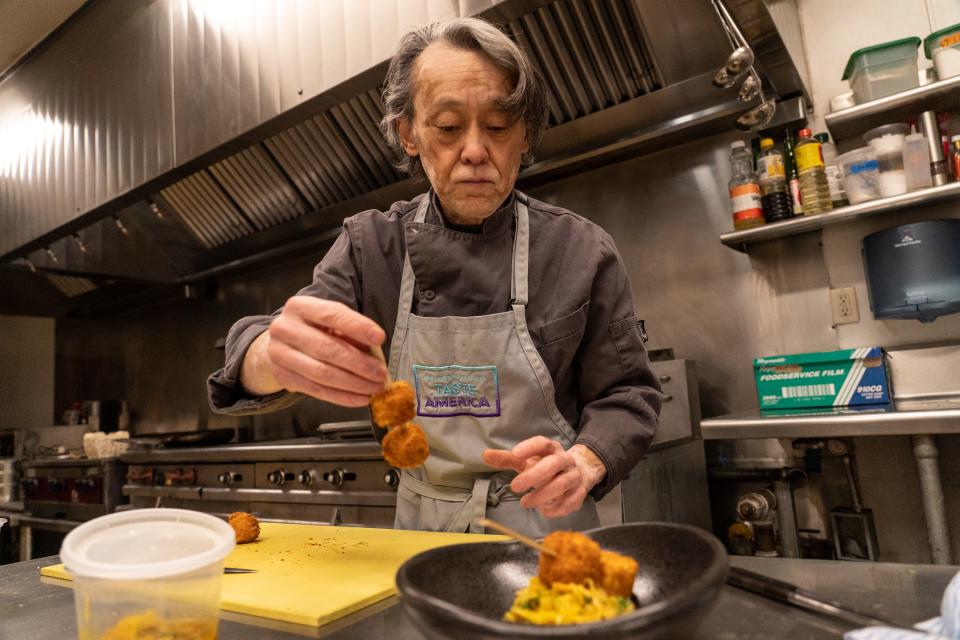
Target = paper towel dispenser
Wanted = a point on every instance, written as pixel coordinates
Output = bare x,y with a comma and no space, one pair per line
913,271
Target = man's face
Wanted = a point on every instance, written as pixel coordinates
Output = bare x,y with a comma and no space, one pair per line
470,149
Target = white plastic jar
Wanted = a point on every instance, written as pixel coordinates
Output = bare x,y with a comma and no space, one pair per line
887,143
156,568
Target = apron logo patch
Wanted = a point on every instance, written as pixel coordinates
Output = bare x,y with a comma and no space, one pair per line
454,390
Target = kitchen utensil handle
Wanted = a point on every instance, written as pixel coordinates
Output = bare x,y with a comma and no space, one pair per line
795,596
507,531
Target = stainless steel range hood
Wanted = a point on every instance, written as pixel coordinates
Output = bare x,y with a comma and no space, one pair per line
253,131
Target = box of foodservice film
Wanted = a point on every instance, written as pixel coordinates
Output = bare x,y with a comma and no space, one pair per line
845,378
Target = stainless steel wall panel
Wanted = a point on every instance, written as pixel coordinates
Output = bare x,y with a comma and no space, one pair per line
86,120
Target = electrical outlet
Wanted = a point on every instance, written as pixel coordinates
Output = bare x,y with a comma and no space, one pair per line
844,304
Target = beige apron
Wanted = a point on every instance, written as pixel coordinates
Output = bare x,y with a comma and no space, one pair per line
480,383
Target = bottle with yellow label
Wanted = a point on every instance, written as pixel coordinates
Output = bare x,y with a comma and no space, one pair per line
814,188
744,189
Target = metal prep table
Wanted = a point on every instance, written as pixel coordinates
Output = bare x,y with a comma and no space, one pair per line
920,420
43,609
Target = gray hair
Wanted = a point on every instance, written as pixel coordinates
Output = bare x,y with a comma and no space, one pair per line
527,100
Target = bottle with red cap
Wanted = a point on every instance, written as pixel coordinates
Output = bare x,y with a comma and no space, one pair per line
814,188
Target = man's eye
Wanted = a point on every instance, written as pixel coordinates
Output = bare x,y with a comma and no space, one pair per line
448,129
497,129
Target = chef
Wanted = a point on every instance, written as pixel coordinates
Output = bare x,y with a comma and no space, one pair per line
513,319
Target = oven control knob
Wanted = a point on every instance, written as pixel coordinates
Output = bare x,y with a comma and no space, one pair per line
85,484
55,483
229,477
30,485
279,477
392,478
335,477
305,477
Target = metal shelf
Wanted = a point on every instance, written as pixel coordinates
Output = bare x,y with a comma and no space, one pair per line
937,96
752,424
803,224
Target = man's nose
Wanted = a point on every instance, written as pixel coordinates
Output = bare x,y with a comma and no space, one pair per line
474,146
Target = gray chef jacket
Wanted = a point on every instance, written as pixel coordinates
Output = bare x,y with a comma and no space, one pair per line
580,313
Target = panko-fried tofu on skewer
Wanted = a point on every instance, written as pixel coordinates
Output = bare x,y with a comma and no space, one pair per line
405,444
618,573
394,406
578,558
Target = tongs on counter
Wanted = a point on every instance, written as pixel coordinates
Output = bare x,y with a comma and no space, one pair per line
801,598
238,570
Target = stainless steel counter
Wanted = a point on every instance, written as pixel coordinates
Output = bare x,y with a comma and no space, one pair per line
920,419
43,610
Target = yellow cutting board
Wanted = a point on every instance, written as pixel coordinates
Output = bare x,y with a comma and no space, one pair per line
313,574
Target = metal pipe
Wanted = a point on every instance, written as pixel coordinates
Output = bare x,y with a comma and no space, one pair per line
931,492
787,518
857,505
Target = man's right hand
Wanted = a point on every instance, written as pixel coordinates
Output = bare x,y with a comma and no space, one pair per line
319,348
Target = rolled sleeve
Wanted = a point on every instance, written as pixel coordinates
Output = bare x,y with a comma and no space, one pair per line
334,278
620,394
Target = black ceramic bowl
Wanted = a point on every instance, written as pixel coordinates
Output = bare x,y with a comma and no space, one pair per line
462,591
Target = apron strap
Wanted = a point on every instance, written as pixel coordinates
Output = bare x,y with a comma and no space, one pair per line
475,500
407,282
521,253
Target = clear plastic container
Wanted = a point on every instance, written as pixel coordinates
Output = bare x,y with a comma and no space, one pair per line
916,161
157,569
883,69
887,143
943,47
861,175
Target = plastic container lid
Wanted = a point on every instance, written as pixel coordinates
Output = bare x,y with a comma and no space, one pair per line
766,143
915,41
146,543
954,138
822,138
803,133
930,40
896,129
856,155
737,144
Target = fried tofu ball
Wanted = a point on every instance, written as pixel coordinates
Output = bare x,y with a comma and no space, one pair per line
245,526
394,406
405,446
577,559
618,573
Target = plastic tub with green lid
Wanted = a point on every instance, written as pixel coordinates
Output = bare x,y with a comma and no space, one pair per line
883,69
943,47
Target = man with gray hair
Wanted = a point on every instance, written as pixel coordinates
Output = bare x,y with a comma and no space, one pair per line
512,319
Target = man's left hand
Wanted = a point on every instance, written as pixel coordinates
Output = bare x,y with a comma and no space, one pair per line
557,480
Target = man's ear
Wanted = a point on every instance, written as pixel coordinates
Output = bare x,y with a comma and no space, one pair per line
406,136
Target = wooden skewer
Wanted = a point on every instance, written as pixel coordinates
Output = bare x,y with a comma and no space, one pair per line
507,531
377,352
